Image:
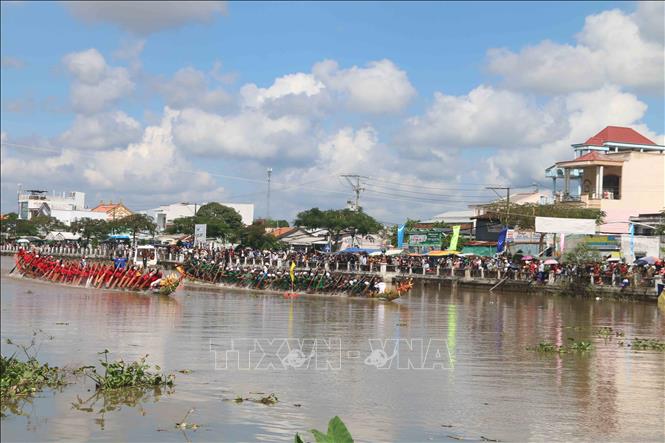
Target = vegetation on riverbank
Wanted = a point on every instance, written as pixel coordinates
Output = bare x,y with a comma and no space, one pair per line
20,378
548,347
119,374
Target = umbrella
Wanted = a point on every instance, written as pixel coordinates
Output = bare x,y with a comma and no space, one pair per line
551,261
527,257
22,240
390,252
614,259
646,261
375,253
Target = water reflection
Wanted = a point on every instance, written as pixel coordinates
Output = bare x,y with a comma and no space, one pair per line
496,387
102,402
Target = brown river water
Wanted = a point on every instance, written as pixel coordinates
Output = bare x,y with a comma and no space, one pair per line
472,377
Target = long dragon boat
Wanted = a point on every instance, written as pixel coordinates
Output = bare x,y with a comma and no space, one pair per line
315,281
98,275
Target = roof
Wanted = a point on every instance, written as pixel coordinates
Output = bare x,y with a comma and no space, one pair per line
280,232
618,134
590,158
108,207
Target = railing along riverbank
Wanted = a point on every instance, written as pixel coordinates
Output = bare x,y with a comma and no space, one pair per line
639,286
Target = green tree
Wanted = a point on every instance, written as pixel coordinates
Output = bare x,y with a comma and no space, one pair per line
221,221
274,223
337,221
134,224
255,236
581,255
181,225
44,224
90,229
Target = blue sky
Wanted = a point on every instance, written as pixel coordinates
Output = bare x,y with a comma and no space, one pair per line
374,112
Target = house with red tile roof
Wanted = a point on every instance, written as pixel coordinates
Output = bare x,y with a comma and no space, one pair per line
114,211
618,171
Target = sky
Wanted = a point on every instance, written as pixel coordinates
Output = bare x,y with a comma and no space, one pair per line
153,103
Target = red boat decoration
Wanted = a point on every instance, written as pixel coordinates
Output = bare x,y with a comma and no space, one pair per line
97,275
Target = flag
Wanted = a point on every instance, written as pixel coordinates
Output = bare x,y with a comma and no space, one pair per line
501,241
400,236
291,271
454,238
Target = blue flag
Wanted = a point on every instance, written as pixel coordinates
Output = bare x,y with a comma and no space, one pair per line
501,241
400,236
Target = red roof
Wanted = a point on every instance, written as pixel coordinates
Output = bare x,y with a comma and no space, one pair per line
280,232
590,157
618,134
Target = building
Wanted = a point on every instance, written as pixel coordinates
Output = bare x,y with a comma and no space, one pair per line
165,214
620,172
113,211
30,202
66,207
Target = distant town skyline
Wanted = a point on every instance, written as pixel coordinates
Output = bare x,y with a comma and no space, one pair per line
431,103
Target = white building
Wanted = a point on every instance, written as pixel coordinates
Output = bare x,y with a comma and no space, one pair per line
165,214
30,202
67,207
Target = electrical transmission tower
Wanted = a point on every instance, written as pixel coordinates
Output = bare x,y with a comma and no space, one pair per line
357,189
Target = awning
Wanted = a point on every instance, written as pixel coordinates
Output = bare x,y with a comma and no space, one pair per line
442,253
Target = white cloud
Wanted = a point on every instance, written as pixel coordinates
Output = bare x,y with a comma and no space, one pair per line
145,17
380,87
584,114
250,134
486,117
96,85
613,47
151,170
291,84
100,131
189,88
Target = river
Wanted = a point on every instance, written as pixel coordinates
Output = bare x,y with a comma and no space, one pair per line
473,376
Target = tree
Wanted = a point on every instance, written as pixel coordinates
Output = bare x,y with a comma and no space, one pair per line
274,223
90,229
222,221
581,255
134,223
181,225
255,236
43,224
337,221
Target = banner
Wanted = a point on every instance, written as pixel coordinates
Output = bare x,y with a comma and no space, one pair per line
631,231
556,225
200,234
501,241
454,238
400,236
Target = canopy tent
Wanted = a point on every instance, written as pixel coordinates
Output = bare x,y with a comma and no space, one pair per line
119,237
375,253
22,240
442,253
482,251
358,251
391,252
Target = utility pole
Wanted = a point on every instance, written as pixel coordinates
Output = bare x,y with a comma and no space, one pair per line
269,171
507,189
357,189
